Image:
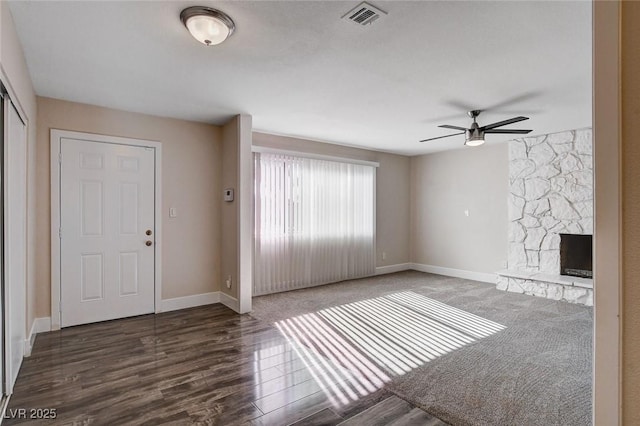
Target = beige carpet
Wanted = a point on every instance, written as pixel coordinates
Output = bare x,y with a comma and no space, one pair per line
464,351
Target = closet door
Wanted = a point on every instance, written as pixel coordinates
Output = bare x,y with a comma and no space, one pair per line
15,238
3,387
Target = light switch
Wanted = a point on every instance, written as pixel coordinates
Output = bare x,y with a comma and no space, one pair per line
173,212
466,213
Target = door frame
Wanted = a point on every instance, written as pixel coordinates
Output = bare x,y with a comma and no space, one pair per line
608,280
55,137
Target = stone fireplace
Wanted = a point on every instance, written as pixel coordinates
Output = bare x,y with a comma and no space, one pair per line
550,195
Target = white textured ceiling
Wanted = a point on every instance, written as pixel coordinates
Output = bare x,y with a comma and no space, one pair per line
300,70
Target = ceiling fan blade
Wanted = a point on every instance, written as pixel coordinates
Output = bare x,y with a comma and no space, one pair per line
498,106
460,105
503,123
513,100
447,126
440,137
512,131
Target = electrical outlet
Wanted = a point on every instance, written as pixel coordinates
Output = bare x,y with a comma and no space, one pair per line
504,264
228,282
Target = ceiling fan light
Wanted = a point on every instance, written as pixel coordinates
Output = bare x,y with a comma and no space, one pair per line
208,26
475,137
474,141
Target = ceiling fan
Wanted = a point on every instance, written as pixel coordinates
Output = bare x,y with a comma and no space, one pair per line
475,133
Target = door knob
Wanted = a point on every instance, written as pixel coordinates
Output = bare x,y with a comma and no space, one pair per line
148,232
148,243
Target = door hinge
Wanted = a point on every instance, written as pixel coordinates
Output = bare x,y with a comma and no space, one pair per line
59,232
60,306
60,158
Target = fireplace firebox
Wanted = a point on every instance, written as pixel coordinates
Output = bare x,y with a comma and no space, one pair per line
576,255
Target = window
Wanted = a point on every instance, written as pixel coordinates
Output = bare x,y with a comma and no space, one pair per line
314,222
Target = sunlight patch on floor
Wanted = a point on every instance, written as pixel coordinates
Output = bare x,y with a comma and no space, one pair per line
351,350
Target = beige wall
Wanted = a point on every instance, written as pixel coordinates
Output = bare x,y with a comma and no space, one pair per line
15,75
630,62
191,167
392,191
229,211
443,186
393,186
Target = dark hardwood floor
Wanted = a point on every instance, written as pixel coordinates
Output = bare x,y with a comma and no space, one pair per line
204,365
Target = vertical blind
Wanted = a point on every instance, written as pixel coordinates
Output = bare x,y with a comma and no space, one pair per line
314,222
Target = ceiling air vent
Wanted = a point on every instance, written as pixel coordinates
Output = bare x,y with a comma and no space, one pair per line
364,14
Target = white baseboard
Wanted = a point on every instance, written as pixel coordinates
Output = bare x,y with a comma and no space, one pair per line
458,273
40,325
380,270
230,302
185,302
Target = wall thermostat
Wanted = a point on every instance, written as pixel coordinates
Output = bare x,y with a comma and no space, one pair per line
228,194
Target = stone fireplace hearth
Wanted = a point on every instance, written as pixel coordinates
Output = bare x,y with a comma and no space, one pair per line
550,193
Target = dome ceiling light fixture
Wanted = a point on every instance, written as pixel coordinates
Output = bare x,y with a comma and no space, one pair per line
208,26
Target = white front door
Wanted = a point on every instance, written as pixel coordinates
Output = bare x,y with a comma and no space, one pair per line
107,231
